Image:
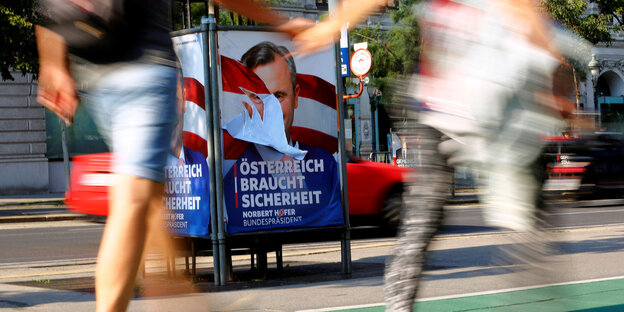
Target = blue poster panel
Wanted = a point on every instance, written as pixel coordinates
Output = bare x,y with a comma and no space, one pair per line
187,191
279,135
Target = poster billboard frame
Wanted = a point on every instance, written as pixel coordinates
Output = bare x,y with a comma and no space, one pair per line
220,250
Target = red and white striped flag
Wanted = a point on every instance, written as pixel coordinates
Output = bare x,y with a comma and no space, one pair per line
195,132
315,120
189,49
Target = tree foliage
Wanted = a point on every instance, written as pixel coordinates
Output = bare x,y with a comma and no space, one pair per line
18,49
395,50
596,26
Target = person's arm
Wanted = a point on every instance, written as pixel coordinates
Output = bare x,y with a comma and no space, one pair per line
56,89
327,32
261,13
254,10
525,13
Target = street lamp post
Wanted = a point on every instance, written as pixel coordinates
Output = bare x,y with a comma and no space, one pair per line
373,92
594,68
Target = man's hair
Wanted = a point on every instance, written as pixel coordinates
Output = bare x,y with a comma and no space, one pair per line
264,53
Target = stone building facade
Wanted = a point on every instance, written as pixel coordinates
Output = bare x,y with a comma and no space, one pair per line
23,166
610,82
604,94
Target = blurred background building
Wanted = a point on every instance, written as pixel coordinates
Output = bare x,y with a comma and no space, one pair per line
602,93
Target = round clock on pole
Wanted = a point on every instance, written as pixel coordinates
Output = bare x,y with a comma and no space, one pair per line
361,62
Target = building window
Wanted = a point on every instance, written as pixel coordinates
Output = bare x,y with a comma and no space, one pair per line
321,4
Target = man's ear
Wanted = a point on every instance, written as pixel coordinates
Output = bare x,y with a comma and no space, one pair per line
296,95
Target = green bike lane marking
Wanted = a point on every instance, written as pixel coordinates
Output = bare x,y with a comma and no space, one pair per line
596,296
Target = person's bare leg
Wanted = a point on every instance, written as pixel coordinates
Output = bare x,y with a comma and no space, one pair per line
132,200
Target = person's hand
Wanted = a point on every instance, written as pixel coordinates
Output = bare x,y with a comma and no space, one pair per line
319,37
295,26
57,91
565,107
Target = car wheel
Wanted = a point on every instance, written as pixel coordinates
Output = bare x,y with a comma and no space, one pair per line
391,211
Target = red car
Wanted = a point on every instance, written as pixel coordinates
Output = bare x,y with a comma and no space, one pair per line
374,192
374,189
88,184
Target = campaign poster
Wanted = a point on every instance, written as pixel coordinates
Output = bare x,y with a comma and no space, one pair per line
406,150
279,134
187,201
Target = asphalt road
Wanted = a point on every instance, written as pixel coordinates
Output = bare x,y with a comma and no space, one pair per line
52,241
49,241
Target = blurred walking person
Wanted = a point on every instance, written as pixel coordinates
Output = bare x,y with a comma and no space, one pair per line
485,87
485,98
126,74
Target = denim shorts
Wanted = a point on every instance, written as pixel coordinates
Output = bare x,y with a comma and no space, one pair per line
134,108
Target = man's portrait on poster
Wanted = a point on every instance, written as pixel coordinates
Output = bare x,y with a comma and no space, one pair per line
282,183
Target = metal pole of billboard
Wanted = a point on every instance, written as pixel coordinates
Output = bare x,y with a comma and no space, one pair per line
345,243
210,139
216,133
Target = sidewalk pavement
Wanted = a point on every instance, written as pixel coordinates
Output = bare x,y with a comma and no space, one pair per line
36,208
12,200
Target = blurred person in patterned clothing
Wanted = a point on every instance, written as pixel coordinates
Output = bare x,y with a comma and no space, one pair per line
485,94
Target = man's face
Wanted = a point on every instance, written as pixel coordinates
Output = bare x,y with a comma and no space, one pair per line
276,77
